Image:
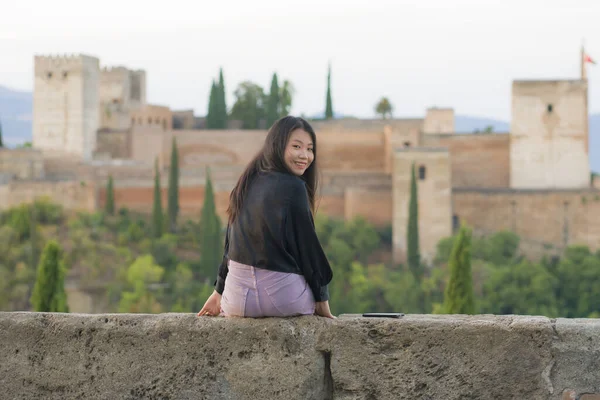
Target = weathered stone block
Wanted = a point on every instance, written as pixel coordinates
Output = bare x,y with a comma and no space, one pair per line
168,356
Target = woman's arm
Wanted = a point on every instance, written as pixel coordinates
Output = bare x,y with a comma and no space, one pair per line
304,244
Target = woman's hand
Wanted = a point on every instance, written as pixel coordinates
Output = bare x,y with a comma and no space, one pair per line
212,307
322,309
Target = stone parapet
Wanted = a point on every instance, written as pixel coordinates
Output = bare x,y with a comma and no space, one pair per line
181,356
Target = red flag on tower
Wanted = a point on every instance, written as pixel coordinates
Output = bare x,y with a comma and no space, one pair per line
588,59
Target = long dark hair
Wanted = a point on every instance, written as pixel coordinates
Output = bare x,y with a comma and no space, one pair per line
271,158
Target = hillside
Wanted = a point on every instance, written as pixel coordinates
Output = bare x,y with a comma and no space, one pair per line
16,117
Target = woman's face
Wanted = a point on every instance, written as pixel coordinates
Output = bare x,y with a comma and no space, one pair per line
299,152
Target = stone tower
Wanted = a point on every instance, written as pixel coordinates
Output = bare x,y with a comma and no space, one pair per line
434,190
122,91
66,104
549,135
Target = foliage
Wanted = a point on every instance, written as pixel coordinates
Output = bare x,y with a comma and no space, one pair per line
211,115
384,108
49,291
211,248
328,102
250,105
110,197
221,104
173,190
286,94
273,102
157,210
413,255
143,277
114,259
458,296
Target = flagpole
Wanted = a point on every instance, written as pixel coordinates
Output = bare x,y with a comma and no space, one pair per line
583,69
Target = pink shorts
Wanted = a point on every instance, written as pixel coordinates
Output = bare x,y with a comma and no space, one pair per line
254,292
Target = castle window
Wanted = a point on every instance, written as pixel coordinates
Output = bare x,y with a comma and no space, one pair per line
49,75
157,121
422,171
149,120
406,144
165,124
65,74
455,222
550,107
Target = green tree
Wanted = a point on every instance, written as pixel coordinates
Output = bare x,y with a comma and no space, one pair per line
173,196
210,232
142,277
328,105
458,296
49,290
1,142
384,108
157,211
286,94
213,104
412,237
110,197
221,108
273,104
250,105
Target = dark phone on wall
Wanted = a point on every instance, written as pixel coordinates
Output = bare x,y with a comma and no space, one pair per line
383,315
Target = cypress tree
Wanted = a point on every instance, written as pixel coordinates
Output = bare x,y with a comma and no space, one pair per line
110,197
1,142
273,104
328,106
211,116
222,103
210,232
458,296
157,211
173,198
412,237
49,290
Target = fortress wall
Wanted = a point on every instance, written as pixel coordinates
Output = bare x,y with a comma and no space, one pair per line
181,356
552,218
477,160
78,196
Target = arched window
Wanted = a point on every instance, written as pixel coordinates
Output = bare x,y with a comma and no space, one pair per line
422,172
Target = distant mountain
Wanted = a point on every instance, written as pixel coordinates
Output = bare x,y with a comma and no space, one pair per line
468,124
15,116
16,109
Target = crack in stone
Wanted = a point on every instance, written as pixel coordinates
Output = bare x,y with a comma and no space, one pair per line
328,378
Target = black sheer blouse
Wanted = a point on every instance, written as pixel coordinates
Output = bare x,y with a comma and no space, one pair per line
275,230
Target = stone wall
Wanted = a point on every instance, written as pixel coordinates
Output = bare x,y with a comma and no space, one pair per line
22,163
554,219
478,160
181,356
78,196
114,143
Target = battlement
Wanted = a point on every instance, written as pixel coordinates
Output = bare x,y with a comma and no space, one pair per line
55,60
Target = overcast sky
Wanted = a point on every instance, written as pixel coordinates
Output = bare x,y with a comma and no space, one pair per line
461,54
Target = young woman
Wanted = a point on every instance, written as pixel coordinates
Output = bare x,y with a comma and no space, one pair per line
273,264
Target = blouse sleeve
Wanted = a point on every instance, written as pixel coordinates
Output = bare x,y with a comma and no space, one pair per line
304,244
223,268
